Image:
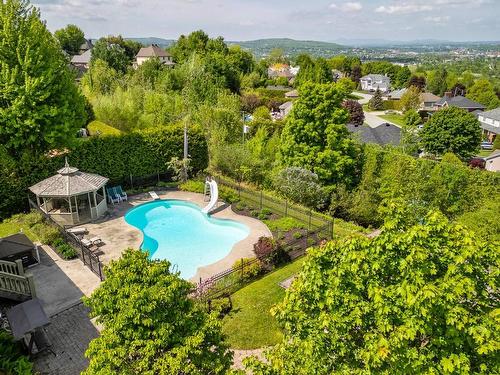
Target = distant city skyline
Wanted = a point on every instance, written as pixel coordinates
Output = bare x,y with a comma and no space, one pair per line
453,20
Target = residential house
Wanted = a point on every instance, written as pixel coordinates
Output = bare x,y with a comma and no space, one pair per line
428,101
153,51
490,123
280,70
87,45
396,94
492,162
384,134
372,82
83,60
458,101
285,109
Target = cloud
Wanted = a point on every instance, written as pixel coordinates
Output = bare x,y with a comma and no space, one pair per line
404,8
437,19
347,7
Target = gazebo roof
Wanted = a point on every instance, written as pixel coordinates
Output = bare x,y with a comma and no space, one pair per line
68,182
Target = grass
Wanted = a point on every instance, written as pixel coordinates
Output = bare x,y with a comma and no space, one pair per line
394,118
344,229
250,325
100,128
284,224
484,153
16,224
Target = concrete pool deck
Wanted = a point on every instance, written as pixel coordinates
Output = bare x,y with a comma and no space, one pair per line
117,235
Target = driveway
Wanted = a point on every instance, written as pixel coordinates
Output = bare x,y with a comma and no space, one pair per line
373,119
364,97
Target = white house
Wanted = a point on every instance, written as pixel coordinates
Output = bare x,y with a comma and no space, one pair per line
490,123
152,51
285,109
372,82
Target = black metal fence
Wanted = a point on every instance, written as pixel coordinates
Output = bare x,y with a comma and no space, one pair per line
90,259
318,228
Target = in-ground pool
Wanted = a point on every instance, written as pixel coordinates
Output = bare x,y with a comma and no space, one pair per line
179,232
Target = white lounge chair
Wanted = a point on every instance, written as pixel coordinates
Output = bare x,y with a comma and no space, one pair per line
80,230
154,195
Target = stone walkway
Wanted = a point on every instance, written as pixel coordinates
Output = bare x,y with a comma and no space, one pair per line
70,333
240,355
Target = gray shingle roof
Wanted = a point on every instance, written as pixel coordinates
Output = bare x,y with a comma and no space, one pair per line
377,77
84,58
68,182
14,244
152,51
385,134
460,102
494,114
397,94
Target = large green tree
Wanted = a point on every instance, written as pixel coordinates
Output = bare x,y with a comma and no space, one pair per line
40,106
315,136
117,52
451,130
70,38
409,132
436,81
482,91
415,300
151,325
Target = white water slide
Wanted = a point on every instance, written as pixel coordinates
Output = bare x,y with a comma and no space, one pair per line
214,195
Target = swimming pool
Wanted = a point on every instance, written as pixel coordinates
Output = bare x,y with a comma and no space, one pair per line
179,232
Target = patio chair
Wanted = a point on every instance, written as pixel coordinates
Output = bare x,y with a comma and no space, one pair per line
77,231
119,191
153,195
112,196
96,241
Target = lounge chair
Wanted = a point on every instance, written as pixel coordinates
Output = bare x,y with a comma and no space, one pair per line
119,191
154,195
97,241
77,231
112,196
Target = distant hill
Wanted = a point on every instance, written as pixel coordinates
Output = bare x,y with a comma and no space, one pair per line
152,40
291,47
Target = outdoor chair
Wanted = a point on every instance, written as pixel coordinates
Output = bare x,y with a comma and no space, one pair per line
112,196
119,191
41,341
77,231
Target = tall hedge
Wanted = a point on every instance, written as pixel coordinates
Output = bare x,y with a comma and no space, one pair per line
455,189
116,157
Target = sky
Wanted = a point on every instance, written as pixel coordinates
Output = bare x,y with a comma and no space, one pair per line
455,20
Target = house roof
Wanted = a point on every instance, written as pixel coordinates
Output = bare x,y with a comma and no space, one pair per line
397,94
152,51
87,45
286,105
376,77
15,244
460,102
429,97
68,182
384,134
495,154
84,58
494,114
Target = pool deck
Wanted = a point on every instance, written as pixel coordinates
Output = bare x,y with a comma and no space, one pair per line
118,235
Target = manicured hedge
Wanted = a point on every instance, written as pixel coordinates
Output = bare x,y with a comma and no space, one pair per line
116,157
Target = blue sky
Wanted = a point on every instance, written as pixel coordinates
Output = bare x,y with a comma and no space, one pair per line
455,20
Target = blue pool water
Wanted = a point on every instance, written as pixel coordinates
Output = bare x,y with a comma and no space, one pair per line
179,232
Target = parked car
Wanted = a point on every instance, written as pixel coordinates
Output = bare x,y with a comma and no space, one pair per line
485,145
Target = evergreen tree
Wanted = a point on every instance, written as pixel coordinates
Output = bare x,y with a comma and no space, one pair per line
40,106
376,103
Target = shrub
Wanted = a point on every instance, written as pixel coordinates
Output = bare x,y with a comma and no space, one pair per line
264,247
221,305
247,268
284,224
66,251
240,206
356,114
266,211
297,235
46,233
301,186
279,256
12,361
195,186
261,216
496,143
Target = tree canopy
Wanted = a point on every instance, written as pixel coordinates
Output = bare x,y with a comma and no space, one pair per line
151,325
70,38
414,300
451,130
40,106
482,91
315,136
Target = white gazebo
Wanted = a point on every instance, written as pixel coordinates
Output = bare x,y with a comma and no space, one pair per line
72,197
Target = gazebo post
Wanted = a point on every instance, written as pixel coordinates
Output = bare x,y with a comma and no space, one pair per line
38,201
77,213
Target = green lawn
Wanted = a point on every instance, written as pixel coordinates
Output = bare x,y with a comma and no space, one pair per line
250,324
16,224
98,127
344,229
394,118
484,153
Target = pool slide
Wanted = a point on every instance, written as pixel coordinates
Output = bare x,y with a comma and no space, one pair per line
214,196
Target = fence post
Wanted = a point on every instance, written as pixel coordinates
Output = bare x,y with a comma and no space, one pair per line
131,180
100,270
158,174
310,214
286,207
83,252
239,190
20,268
241,276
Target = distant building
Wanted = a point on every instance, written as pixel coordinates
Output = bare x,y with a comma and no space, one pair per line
490,123
86,46
384,134
292,94
492,162
428,101
280,70
372,82
83,60
153,51
397,94
460,102
285,109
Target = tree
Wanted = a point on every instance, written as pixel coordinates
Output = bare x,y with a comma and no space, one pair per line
315,136
99,79
151,325
409,132
356,113
451,130
436,81
112,50
70,38
40,105
356,74
376,102
410,99
482,91
300,186
458,89
417,81
414,300
403,77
